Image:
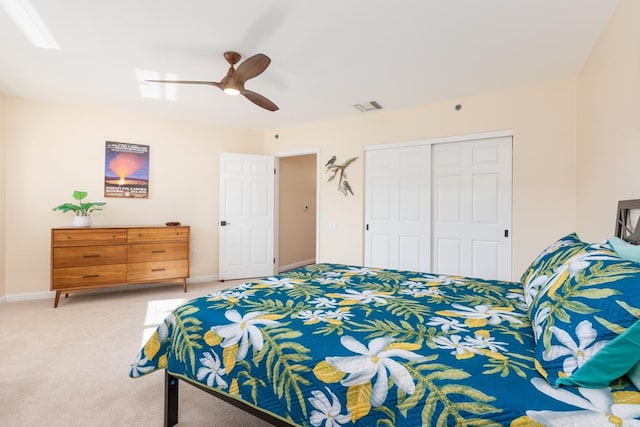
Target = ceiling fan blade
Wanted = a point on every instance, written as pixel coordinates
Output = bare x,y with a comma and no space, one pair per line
259,100
252,67
188,82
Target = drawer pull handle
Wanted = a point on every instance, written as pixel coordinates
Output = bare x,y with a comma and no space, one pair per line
90,276
159,251
158,269
91,256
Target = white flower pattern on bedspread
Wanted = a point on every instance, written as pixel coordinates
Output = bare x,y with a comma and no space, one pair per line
327,413
483,314
375,360
242,330
575,354
211,370
597,408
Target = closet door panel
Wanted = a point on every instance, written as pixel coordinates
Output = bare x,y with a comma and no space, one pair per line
397,208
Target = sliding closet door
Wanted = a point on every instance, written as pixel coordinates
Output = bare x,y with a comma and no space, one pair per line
472,208
397,213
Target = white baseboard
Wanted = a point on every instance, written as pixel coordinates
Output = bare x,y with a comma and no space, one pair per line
30,296
200,279
282,268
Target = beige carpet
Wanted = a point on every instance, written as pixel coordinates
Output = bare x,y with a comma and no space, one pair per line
69,366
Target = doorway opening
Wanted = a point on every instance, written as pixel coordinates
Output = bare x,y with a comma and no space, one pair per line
296,210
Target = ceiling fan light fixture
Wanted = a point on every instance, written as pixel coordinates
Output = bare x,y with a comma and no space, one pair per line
233,83
231,91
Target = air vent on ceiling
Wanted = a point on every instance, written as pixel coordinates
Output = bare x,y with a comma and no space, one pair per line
369,106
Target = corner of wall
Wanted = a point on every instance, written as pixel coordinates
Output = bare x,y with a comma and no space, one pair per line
607,130
3,289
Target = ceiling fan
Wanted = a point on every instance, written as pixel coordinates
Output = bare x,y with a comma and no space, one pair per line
233,82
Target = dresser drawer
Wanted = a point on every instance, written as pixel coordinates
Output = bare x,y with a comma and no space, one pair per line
71,277
88,236
145,252
158,234
73,256
156,271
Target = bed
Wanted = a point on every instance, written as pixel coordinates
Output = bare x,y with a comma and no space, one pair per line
338,345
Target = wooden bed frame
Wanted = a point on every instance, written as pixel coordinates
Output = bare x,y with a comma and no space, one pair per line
624,229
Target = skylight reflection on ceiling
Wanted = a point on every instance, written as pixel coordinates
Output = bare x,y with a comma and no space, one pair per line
167,92
28,20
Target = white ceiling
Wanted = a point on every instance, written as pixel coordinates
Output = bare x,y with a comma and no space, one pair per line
326,55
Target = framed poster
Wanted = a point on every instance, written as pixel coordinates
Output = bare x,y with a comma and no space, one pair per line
126,170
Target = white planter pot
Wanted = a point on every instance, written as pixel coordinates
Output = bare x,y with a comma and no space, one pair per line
81,221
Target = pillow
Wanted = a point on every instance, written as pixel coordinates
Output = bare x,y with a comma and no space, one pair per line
612,361
625,250
589,307
547,262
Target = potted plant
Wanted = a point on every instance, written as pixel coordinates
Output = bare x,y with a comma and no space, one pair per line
81,209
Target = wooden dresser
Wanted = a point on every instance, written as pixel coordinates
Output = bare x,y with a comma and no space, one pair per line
98,257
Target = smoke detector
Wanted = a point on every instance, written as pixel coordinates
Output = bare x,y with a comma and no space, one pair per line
369,106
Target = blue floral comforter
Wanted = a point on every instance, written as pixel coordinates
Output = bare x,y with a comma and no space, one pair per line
337,345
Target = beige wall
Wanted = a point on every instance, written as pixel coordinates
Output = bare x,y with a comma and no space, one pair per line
2,204
63,149
52,149
608,117
542,119
297,226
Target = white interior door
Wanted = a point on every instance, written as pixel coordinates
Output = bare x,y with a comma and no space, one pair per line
472,208
246,229
397,214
